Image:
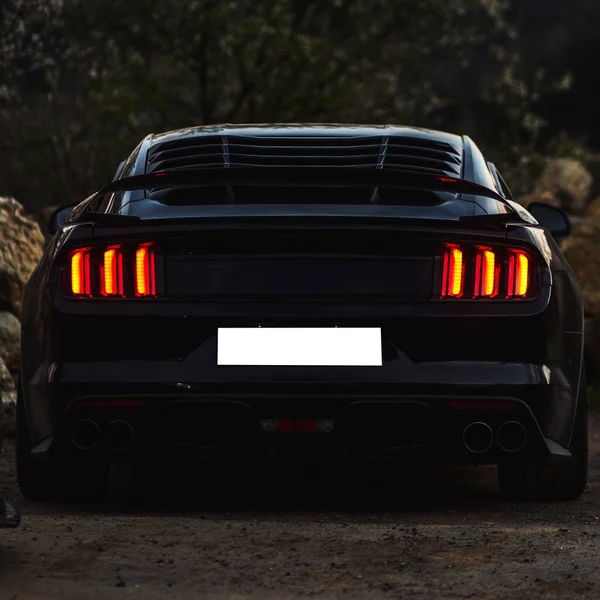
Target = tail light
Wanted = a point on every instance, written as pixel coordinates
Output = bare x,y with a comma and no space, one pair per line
486,273
112,273
121,271
518,274
80,273
481,272
145,283
452,283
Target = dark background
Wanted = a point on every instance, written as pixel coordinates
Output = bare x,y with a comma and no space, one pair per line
82,81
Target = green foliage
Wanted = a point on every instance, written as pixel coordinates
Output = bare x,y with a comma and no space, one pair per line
82,81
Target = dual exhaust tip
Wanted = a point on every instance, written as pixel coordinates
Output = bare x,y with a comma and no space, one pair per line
118,435
478,437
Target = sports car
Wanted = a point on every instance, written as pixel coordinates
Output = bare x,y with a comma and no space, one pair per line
321,292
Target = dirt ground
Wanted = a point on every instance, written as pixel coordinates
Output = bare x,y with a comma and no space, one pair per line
291,534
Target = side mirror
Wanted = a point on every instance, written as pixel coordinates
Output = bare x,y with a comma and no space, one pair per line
554,219
58,218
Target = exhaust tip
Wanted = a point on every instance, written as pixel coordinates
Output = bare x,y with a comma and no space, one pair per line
85,434
119,436
478,437
511,436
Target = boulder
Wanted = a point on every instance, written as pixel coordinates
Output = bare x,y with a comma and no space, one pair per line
10,340
8,398
20,251
565,182
545,197
582,250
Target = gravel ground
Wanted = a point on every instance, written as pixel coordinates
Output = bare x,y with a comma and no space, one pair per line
290,534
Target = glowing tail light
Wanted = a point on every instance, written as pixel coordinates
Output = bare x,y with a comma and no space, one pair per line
145,284
518,274
486,273
112,273
80,273
452,281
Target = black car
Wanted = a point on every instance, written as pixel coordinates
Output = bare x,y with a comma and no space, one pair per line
317,291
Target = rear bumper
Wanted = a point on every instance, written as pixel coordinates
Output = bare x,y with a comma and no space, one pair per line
403,411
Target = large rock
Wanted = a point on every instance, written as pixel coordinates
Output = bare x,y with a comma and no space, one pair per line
568,181
565,183
21,247
10,340
8,397
582,250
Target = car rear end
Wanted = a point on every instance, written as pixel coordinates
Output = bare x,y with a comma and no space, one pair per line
453,340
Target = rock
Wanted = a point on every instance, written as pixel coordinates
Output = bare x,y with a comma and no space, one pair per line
545,197
592,211
10,340
567,182
8,397
582,250
21,249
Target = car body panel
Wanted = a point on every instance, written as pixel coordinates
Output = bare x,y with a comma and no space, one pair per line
164,350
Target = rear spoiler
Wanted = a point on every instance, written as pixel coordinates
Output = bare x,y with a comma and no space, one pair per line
300,176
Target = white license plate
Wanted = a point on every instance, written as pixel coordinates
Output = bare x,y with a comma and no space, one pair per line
300,346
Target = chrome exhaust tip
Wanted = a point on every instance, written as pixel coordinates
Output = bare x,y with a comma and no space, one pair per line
118,436
478,437
511,436
85,434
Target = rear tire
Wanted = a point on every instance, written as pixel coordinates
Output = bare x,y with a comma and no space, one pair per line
542,482
53,480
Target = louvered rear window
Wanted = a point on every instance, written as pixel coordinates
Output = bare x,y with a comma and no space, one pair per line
395,152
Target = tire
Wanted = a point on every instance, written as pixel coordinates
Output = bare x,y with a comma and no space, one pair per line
561,482
53,480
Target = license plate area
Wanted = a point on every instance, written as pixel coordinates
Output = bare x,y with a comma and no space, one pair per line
299,346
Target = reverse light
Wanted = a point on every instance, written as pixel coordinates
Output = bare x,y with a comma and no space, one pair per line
518,274
486,273
80,273
145,283
112,273
452,279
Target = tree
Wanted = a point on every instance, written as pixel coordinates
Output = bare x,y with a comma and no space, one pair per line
86,79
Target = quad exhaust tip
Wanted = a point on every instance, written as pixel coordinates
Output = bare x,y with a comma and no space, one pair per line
85,434
478,437
511,436
119,436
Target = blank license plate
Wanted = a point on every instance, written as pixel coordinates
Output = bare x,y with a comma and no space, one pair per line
301,346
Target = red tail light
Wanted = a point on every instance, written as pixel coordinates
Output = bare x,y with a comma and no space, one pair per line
80,273
112,273
474,272
487,273
452,279
518,274
145,281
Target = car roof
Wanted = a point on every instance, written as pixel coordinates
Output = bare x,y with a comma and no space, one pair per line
308,129
396,147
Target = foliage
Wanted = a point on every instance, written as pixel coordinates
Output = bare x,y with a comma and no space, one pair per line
82,81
